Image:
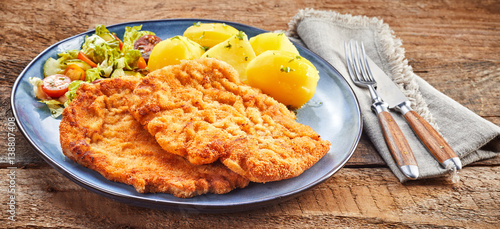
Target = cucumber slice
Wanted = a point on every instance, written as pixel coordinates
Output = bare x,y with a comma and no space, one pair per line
80,64
107,37
51,67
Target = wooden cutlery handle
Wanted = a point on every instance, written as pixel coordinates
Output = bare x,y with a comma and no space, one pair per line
430,137
396,141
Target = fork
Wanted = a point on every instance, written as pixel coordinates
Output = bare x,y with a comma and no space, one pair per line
361,75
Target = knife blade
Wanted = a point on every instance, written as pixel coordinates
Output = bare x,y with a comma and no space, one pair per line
434,142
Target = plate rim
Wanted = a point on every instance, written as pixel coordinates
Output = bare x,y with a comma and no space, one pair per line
173,204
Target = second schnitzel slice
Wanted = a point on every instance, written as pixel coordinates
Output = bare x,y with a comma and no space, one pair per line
200,110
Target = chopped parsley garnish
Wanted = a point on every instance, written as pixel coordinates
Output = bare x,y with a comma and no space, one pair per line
286,69
241,35
296,58
197,23
228,46
205,48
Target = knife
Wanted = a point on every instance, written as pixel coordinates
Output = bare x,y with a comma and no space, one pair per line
434,142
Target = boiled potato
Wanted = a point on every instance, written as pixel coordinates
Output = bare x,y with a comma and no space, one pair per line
209,34
235,51
272,41
172,51
285,76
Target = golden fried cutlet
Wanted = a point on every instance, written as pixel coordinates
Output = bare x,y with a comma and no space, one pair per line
201,111
98,132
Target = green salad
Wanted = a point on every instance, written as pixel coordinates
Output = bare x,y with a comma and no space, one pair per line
102,55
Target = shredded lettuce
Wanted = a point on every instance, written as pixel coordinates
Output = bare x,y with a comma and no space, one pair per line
71,93
93,74
131,59
102,48
104,33
131,35
55,107
117,73
102,70
68,55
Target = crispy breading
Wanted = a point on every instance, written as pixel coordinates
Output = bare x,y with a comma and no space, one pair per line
201,111
98,132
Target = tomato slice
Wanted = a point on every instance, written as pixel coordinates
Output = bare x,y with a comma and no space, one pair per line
56,85
87,60
74,72
145,44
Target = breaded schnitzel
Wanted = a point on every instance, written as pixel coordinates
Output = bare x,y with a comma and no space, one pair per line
201,111
98,132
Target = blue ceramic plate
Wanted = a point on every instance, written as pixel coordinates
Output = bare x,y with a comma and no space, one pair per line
333,112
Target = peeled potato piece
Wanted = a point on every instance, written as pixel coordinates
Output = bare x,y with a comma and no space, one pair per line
272,41
285,76
209,34
171,51
235,51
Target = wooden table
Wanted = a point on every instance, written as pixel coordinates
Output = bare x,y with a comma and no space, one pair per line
454,45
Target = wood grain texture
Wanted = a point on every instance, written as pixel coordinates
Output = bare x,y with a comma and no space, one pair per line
396,141
453,45
349,199
436,144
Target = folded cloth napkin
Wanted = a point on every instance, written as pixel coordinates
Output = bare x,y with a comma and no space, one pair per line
472,137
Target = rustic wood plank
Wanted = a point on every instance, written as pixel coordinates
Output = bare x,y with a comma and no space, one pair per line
435,38
474,84
365,197
453,45
434,56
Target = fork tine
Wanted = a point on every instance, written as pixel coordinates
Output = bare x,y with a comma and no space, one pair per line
349,62
367,66
354,59
359,61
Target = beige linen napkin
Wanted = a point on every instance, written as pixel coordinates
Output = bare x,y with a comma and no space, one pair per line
472,137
